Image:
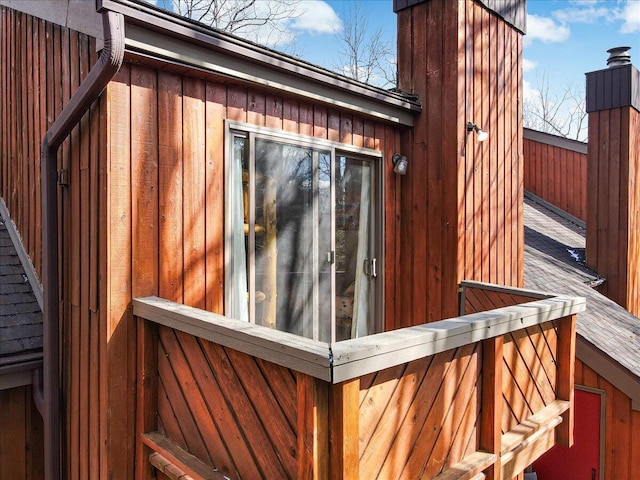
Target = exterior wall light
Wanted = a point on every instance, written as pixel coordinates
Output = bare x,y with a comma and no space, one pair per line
482,135
400,163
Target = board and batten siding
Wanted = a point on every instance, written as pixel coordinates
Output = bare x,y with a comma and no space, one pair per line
555,169
41,66
165,199
613,229
461,201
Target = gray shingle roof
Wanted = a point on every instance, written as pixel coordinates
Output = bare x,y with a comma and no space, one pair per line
20,314
549,266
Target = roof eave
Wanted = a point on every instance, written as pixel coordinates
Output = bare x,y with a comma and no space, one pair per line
155,34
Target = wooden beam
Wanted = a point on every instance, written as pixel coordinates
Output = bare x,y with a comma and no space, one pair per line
147,391
181,459
470,467
565,377
313,428
345,429
492,402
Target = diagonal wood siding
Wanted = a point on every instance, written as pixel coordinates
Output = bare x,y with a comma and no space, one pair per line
233,411
413,423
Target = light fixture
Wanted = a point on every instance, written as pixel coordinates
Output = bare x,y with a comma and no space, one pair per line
482,135
400,163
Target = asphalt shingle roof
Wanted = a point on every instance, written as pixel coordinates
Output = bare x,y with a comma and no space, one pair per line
551,244
20,314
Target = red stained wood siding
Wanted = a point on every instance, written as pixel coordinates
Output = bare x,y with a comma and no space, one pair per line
165,199
21,437
557,175
613,247
461,201
621,426
41,66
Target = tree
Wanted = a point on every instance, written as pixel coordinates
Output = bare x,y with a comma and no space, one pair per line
263,21
559,111
365,55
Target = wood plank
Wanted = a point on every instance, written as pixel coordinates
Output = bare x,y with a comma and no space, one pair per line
537,444
193,134
144,181
146,391
119,433
400,441
344,430
174,413
13,441
270,461
467,373
170,183
182,459
313,432
283,384
215,112
273,112
565,377
469,467
492,402
261,392
198,409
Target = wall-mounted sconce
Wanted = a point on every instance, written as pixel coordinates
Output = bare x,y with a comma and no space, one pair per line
482,135
400,163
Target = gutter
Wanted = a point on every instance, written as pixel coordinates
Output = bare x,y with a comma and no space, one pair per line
48,394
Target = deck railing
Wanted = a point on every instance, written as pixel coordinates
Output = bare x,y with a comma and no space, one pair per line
477,396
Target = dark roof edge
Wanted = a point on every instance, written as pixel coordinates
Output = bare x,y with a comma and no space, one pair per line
605,366
170,25
28,267
512,11
555,140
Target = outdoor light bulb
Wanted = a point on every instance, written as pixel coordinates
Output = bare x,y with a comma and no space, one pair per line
401,165
482,135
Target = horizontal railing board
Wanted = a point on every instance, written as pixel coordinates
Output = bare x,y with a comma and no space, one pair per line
354,358
282,348
357,357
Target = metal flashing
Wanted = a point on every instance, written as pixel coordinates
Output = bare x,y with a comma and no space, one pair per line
153,33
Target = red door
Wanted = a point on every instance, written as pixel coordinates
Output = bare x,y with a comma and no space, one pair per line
582,460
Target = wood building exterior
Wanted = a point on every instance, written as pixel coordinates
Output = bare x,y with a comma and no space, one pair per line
142,249
607,366
555,171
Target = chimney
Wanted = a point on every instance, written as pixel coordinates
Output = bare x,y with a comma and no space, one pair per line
613,178
460,203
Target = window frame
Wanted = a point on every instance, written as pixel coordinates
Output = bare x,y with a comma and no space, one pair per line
235,129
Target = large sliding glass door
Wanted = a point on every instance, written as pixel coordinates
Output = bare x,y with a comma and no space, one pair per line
301,237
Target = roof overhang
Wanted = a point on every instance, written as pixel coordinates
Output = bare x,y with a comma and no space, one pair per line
161,38
608,368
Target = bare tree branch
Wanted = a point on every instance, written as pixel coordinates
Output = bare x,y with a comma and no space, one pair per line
560,111
364,54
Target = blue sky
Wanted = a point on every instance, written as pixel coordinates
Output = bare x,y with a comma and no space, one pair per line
565,39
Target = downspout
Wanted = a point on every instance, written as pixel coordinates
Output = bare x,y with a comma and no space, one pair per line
106,67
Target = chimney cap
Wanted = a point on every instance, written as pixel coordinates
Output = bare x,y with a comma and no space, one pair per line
618,56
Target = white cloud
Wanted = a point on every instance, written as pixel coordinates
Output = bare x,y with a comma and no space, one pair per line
529,93
630,15
316,16
590,14
528,65
546,30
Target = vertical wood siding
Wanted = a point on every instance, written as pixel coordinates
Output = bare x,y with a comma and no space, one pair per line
21,436
621,426
557,175
164,214
41,66
461,201
613,241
